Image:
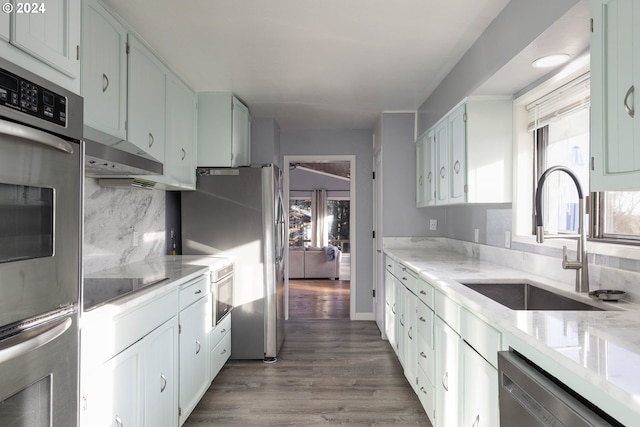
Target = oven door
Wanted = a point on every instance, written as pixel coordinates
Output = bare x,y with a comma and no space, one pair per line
224,297
40,190
39,375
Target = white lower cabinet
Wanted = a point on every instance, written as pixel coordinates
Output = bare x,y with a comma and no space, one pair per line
479,390
194,363
161,376
449,355
220,345
447,347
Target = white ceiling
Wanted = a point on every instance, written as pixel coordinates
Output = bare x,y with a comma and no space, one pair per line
313,64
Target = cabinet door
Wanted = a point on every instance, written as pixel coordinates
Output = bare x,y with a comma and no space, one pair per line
458,155
146,101
194,378
411,338
425,184
390,308
161,379
429,169
480,390
441,141
115,394
615,85
425,353
241,135
52,36
104,71
180,154
400,320
447,379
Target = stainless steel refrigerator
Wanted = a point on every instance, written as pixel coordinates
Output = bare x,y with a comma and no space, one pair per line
239,212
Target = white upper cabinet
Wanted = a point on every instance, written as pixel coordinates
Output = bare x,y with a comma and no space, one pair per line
146,100
180,153
104,71
44,37
615,86
224,131
471,146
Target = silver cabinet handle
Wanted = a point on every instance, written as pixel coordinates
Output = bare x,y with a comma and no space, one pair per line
199,291
404,278
223,331
119,421
421,180
630,110
476,423
393,309
430,176
423,390
224,351
105,82
456,167
151,139
198,346
163,383
422,319
35,135
445,381
423,292
409,333
424,356
402,319
443,172
184,154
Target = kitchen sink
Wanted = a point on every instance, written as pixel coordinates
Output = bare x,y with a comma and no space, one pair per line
525,296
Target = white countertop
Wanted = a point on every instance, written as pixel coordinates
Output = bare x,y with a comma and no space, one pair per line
173,268
597,353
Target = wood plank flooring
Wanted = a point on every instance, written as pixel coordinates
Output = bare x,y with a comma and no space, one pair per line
329,372
319,299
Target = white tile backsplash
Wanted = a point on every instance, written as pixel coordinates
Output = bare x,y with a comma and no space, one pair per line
111,215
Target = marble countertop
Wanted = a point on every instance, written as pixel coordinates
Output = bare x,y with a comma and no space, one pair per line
596,353
169,270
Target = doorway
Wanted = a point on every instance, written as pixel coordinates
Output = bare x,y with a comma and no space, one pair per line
319,192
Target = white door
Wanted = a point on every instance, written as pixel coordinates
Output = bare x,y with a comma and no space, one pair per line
379,300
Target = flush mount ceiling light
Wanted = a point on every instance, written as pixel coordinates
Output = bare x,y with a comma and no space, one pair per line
551,60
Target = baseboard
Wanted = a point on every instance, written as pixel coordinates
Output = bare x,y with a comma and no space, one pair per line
364,316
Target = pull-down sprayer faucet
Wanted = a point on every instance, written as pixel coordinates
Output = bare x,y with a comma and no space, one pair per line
580,264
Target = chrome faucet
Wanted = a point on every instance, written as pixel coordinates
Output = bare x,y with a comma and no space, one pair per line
580,264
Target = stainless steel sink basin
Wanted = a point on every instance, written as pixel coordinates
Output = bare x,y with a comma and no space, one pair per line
525,296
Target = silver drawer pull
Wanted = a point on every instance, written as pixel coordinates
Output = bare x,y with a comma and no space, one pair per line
445,381
105,82
184,154
422,319
630,110
422,389
199,291
150,139
476,423
198,346
224,351
424,356
119,421
409,333
423,292
223,331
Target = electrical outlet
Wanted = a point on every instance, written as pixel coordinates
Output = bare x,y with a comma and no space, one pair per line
476,236
433,224
507,239
135,238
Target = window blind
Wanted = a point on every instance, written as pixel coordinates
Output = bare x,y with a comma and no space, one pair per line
559,103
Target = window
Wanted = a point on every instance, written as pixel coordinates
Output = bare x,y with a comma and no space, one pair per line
299,222
337,222
559,123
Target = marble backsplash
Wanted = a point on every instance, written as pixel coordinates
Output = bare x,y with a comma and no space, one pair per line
111,216
602,273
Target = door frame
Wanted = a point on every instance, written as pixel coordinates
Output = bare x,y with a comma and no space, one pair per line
378,255
352,225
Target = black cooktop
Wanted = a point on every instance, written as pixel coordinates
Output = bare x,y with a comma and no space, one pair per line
100,290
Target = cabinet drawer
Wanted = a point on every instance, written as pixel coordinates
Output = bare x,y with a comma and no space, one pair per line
426,394
482,337
425,293
407,278
425,324
193,290
220,354
220,331
447,310
390,264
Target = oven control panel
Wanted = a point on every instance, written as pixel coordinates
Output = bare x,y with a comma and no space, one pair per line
32,99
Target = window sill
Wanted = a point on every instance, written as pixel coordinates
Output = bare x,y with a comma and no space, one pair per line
593,247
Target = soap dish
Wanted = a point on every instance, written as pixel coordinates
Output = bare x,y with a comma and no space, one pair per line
607,294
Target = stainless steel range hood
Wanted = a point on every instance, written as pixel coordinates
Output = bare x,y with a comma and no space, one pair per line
106,157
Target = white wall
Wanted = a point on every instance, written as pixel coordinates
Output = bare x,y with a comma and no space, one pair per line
346,142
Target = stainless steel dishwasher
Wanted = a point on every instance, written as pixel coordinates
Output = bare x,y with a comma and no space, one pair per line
530,397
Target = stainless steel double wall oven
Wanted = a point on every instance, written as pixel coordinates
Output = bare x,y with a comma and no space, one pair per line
40,232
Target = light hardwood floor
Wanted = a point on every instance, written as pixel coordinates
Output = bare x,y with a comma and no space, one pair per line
319,299
329,372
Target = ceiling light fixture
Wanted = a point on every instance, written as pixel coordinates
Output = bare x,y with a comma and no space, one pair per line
551,60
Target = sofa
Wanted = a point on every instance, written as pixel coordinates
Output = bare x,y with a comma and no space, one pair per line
313,263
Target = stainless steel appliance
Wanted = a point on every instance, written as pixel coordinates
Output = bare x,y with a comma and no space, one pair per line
239,212
530,397
40,232
222,293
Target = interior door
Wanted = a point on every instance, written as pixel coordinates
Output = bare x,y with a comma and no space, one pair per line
379,290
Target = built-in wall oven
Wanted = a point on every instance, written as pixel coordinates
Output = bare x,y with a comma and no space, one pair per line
40,232
222,289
